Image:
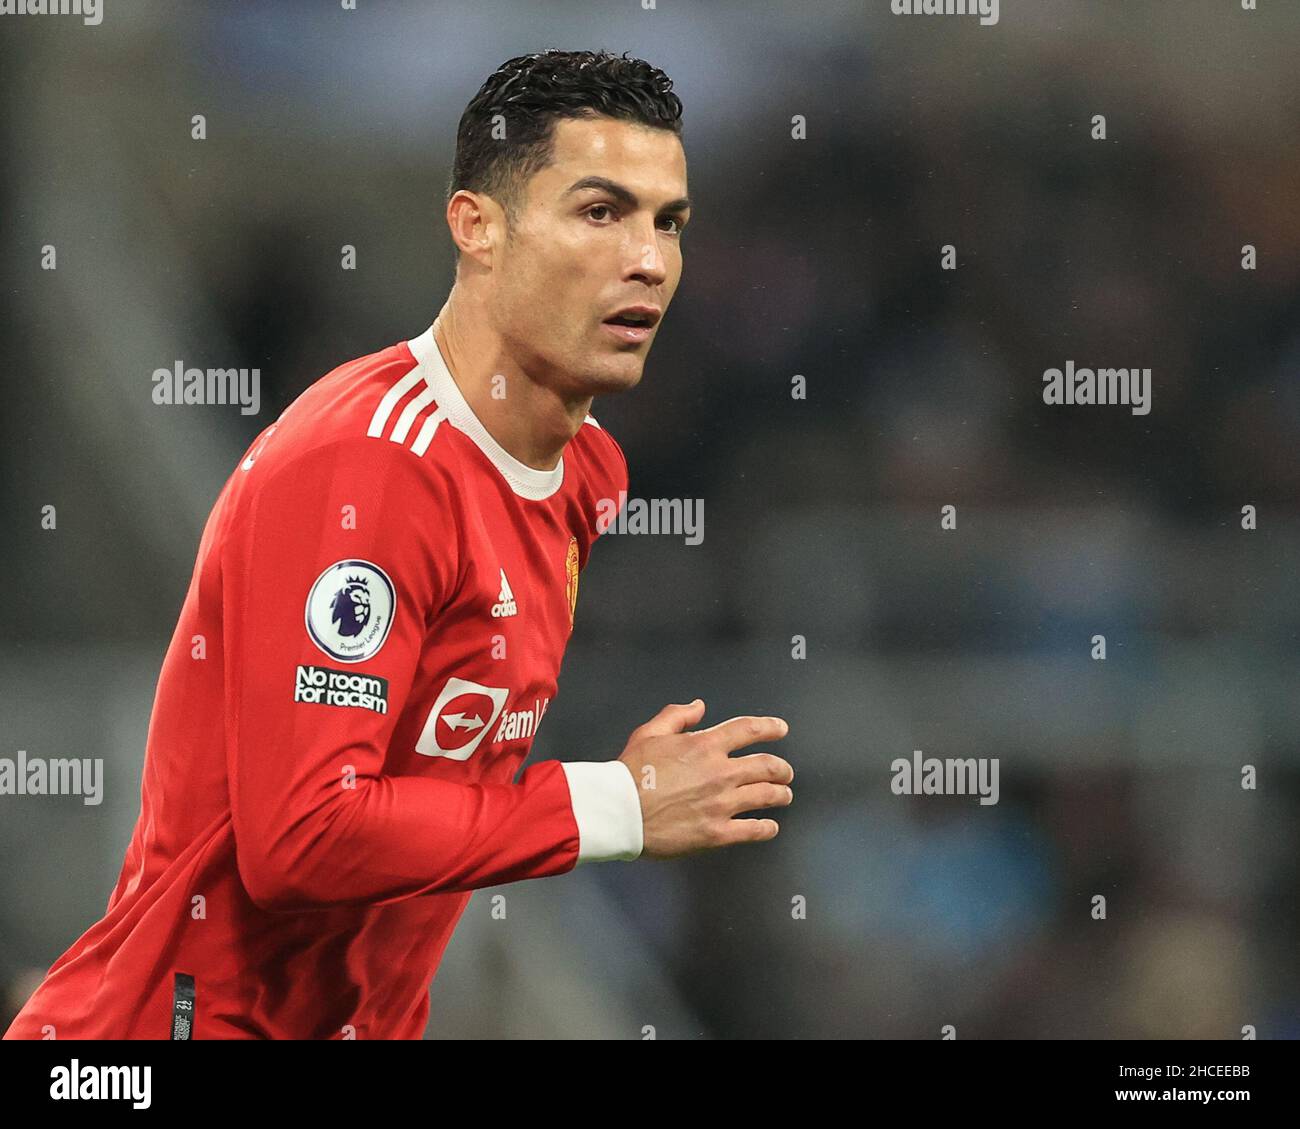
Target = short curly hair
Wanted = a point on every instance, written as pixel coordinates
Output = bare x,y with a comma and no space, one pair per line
506,134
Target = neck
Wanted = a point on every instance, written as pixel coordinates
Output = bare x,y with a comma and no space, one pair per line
532,422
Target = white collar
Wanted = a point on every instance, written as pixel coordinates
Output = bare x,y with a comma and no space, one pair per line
527,482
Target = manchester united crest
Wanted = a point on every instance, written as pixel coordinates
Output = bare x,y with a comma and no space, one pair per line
571,577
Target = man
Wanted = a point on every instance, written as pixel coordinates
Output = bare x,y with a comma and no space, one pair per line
380,606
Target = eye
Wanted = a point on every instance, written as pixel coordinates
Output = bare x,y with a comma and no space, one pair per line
677,224
599,208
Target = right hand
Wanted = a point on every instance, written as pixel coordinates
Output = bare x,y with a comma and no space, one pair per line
694,788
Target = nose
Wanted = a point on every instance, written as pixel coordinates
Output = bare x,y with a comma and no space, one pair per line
645,260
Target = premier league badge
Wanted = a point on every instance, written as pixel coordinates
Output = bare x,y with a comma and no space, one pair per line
350,610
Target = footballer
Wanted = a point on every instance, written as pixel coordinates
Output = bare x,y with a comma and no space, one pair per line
379,610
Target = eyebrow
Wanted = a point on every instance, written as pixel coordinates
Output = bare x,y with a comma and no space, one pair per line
626,196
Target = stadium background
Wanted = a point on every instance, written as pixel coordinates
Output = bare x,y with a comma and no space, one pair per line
816,257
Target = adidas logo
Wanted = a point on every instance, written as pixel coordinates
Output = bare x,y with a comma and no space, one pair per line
506,600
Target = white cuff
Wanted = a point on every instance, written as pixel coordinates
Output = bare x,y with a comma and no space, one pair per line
606,808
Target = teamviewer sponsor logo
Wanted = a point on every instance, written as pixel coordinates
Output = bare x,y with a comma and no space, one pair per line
321,686
462,715
521,723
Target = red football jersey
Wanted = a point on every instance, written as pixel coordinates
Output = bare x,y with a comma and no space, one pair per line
370,639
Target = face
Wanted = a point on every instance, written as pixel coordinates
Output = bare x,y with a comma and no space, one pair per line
599,232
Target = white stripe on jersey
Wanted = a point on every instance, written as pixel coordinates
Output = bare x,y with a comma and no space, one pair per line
380,419
526,481
425,437
407,418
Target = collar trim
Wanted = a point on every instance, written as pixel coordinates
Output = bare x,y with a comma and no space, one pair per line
528,482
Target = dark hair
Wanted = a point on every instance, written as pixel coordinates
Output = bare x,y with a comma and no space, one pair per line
531,93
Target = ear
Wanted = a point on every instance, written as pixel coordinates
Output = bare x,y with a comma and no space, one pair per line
477,224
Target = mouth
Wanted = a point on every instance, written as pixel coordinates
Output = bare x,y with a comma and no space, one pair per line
633,324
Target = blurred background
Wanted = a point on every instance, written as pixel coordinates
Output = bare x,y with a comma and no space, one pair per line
819,258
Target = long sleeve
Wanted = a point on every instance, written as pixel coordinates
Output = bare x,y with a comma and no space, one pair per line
333,571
